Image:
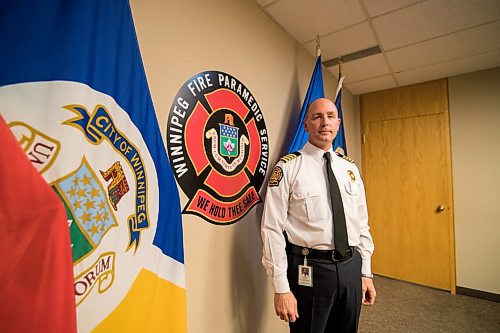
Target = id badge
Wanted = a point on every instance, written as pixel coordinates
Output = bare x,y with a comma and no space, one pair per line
305,276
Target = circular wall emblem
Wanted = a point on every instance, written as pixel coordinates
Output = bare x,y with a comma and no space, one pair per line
217,146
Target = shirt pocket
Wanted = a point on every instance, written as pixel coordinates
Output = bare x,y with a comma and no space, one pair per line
315,204
351,183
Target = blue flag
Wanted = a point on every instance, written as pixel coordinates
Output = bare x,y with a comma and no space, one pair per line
74,93
339,143
314,91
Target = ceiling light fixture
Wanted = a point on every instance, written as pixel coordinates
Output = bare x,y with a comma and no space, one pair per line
352,56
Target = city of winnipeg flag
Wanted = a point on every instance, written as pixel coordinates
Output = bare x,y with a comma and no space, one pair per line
73,92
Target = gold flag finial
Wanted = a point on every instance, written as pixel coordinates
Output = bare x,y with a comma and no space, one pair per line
318,46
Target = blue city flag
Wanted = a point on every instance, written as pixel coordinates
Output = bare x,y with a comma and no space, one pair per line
339,143
73,91
314,91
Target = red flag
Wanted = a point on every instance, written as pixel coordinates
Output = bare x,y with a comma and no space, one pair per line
36,270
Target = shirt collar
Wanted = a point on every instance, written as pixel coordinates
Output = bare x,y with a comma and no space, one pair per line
315,152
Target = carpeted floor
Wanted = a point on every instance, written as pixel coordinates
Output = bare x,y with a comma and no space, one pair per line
405,307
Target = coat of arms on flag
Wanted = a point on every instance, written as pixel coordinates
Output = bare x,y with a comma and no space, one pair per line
89,212
78,102
105,177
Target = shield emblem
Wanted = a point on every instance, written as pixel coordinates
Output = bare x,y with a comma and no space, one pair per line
89,214
228,145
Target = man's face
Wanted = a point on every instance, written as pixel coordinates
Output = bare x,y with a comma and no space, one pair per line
322,123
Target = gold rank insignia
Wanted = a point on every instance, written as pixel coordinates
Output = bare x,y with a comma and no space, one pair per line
351,174
289,157
276,176
347,158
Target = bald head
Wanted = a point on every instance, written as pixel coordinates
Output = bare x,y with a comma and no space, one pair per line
321,104
322,123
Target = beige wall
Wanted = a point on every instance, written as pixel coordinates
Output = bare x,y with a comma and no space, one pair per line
475,142
227,289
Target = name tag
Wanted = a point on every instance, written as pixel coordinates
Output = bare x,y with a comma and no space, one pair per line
305,275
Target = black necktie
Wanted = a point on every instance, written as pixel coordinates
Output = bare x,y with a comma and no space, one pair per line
339,227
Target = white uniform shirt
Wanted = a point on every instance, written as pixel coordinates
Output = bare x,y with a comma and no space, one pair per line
298,202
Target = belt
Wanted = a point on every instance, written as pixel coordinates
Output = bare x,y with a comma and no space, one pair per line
332,255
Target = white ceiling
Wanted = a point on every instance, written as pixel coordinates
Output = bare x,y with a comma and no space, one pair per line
420,40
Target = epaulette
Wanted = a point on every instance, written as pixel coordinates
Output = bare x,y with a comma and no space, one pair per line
289,157
347,158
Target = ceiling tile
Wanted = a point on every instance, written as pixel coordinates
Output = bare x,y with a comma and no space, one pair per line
362,69
433,18
457,67
304,19
422,40
346,41
455,46
375,84
377,7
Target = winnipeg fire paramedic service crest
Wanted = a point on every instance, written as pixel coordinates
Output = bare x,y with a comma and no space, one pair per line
217,146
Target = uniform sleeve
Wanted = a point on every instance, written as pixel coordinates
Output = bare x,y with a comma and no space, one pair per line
273,224
366,246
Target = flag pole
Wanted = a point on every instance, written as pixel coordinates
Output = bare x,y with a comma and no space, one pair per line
318,46
340,66
314,91
339,142
340,78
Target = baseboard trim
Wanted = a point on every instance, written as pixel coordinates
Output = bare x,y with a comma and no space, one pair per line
478,294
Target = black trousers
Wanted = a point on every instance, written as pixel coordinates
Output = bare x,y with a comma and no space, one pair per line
333,303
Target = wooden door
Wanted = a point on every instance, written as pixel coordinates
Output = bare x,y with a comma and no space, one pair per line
407,174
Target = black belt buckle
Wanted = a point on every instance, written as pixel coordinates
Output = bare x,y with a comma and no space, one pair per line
336,257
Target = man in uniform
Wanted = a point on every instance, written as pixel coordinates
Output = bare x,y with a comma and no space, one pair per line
315,220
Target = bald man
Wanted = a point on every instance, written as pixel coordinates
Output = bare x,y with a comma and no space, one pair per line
317,245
